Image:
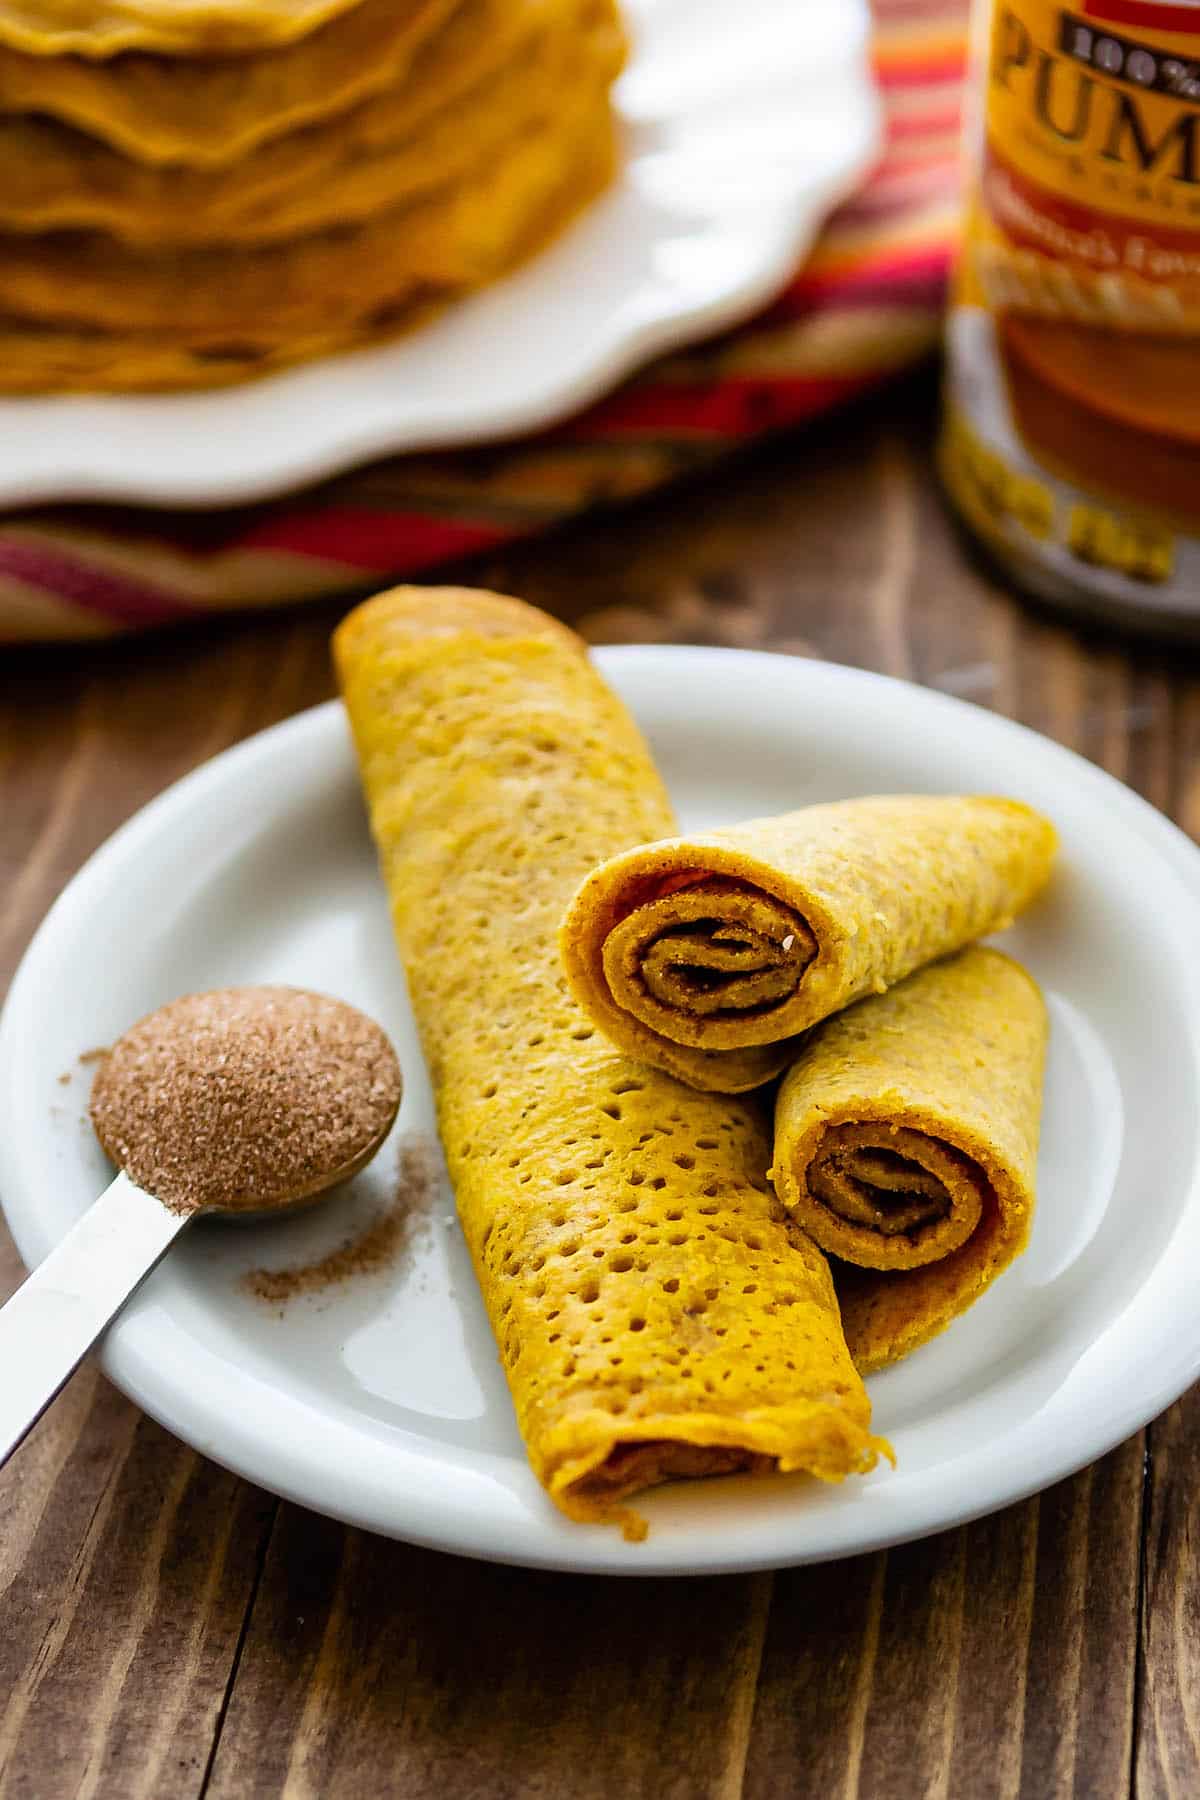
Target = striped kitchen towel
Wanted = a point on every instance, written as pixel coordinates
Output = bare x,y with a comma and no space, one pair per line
866,304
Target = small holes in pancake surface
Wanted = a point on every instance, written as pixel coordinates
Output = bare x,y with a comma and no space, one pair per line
608,1286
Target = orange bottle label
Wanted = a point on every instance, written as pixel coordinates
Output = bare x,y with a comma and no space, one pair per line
1091,162
1073,385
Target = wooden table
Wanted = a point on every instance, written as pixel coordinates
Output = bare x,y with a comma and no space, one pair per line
168,1630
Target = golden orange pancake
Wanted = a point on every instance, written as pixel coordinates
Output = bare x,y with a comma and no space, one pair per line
906,1136
708,955
102,28
335,284
657,1316
37,360
380,155
211,110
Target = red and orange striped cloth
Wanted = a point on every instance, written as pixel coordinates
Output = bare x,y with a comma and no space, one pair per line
866,304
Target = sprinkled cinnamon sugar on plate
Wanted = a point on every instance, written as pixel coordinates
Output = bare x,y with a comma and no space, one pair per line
378,1245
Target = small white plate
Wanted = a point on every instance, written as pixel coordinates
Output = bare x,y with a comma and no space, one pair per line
743,126
384,1403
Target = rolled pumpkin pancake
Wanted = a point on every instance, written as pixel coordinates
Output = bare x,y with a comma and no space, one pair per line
906,1136
707,956
331,282
211,110
378,156
656,1314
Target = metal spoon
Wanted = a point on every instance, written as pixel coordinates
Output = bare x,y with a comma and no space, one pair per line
201,1102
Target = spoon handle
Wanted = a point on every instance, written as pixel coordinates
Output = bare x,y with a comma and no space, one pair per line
57,1314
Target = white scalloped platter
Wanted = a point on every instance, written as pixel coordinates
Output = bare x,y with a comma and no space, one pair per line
743,126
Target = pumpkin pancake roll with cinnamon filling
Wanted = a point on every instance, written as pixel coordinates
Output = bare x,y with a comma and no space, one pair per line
657,1314
906,1137
707,956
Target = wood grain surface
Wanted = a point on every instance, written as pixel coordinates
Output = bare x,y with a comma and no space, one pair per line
166,1629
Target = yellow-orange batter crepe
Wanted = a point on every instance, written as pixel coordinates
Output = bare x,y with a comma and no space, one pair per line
906,1137
36,361
101,28
211,110
374,158
656,1315
706,956
331,282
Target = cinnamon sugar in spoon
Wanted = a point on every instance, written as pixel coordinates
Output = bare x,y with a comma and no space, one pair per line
242,1102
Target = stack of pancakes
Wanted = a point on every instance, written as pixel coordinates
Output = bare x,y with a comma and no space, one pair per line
197,191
